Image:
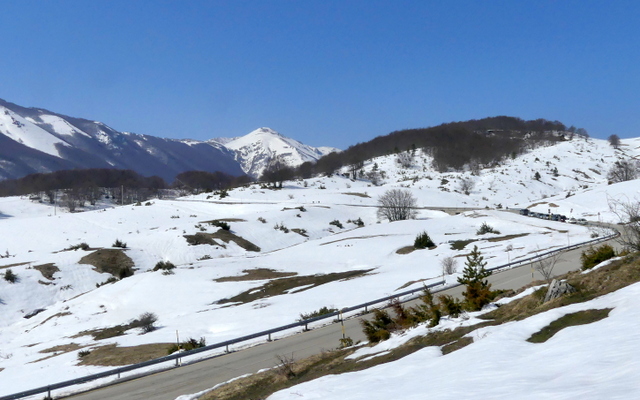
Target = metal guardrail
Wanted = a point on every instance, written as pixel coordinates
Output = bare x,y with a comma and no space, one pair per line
267,333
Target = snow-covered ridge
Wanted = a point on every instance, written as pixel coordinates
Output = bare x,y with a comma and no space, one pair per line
256,150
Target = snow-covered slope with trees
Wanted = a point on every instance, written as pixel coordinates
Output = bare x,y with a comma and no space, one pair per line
315,226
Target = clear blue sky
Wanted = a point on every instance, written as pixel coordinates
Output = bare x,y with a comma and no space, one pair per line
330,72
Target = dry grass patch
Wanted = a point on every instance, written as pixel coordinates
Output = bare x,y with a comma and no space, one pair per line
256,274
573,319
283,285
47,270
224,220
112,261
223,235
357,194
58,350
506,237
406,250
57,315
113,356
13,265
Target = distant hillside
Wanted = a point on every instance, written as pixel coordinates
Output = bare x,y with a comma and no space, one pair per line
454,145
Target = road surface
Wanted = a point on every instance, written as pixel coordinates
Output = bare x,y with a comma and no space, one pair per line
193,378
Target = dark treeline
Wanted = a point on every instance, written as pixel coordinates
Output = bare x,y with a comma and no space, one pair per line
114,178
452,145
80,178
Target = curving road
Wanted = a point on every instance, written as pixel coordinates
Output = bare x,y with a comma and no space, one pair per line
203,375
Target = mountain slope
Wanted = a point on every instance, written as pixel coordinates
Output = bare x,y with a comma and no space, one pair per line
37,140
256,150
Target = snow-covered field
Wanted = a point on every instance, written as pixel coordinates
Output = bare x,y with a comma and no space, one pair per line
34,234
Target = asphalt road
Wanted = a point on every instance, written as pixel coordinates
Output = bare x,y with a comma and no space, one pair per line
203,375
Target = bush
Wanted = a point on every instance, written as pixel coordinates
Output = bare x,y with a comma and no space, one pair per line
486,228
125,272
594,256
10,277
423,241
281,227
450,305
190,344
221,224
379,328
164,265
120,244
147,322
358,222
81,246
317,313
449,265
346,342
336,223
83,353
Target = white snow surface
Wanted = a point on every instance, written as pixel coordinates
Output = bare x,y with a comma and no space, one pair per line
28,133
255,150
35,234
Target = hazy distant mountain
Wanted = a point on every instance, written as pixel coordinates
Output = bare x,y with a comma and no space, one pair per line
36,140
256,150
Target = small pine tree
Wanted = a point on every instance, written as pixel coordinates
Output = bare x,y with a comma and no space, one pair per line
423,241
537,176
478,292
10,277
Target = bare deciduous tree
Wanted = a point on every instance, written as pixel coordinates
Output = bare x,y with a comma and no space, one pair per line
614,141
628,211
623,170
405,159
397,205
546,265
449,265
466,185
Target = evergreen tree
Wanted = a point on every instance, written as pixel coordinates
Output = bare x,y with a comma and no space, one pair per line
478,291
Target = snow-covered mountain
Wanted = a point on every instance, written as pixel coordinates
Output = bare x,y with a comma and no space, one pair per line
36,140
259,148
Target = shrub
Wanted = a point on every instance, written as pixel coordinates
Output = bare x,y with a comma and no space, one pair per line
83,353
261,219
317,313
10,277
450,305
449,265
81,246
281,227
486,228
147,322
358,222
423,241
189,344
594,256
346,342
164,265
120,244
221,224
125,272
379,328
336,223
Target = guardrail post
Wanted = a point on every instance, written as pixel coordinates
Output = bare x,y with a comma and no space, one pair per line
269,338
48,392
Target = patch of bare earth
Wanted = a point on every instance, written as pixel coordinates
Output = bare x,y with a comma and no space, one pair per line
406,250
223,235
47,270
58,350
283,285
256,275
358,194
13,265
113,356
112,261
